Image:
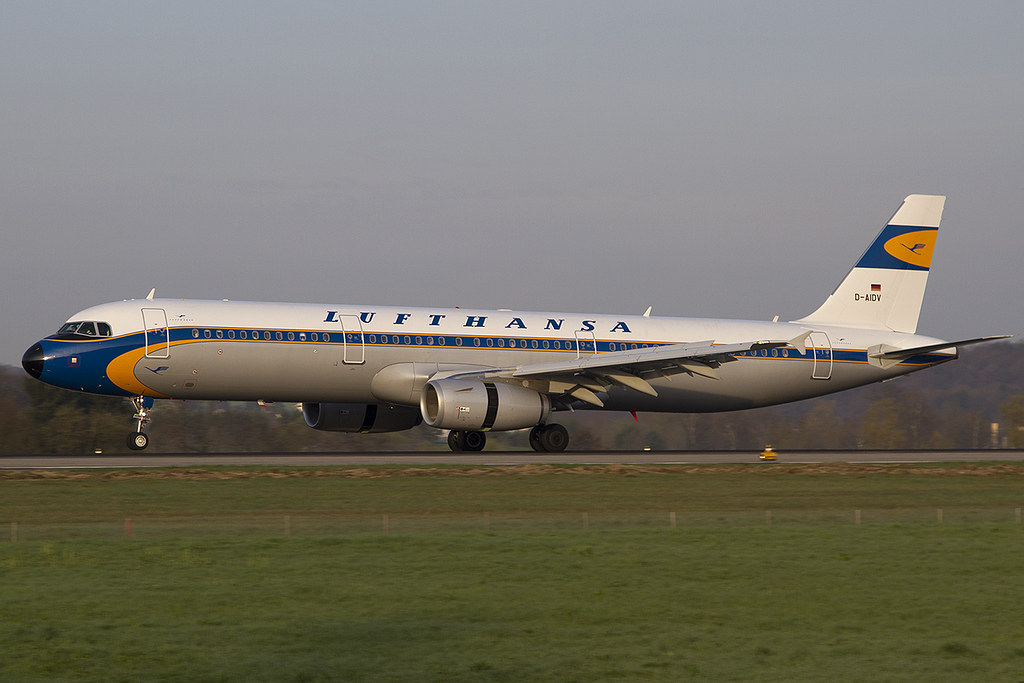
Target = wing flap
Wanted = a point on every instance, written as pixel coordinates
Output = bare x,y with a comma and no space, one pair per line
685,357
583,377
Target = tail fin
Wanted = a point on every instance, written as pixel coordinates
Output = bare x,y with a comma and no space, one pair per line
886,286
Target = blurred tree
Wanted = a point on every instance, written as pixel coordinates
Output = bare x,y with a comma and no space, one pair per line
1013,417
16,431
17,434
902,420
74,422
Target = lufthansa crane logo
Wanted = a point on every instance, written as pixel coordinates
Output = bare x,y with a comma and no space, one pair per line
914,247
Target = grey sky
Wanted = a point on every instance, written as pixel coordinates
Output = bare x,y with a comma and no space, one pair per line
716,159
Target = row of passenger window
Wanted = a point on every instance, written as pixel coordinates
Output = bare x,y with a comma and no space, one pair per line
499,342
265,335
395,339
764,353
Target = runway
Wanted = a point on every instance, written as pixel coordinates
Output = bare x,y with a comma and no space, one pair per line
136,460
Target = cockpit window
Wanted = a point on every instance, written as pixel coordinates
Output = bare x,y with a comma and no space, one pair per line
88,328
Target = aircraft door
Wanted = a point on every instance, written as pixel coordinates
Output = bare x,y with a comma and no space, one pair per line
821,347
353,344
585,342
158,338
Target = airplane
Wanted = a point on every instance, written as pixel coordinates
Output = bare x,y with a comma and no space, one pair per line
389,368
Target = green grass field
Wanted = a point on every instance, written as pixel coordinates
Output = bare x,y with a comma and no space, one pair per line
505,574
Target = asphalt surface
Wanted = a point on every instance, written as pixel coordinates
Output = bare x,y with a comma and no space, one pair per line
135,460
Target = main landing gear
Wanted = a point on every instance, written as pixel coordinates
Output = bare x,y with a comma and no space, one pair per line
138,440
466,440
552,438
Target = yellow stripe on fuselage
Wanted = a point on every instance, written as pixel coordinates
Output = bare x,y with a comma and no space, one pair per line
121,371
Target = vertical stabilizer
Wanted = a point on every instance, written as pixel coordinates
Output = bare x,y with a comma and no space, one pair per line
886,286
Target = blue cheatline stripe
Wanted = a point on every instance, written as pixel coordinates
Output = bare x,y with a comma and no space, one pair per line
93,356
490,343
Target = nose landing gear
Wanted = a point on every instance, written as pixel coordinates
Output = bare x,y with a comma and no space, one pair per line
138,440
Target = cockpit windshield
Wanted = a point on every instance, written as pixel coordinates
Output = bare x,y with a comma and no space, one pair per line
87,328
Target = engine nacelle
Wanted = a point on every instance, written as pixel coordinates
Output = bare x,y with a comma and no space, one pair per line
365,418
481,406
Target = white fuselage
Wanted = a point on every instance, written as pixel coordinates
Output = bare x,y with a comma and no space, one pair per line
248,351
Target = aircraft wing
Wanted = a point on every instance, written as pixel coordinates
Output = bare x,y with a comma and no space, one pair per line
582,377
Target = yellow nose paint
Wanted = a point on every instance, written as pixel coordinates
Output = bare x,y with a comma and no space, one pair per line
914,248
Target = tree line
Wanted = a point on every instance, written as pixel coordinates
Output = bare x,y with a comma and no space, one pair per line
974,402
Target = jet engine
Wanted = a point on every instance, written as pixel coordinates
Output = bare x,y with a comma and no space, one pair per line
365,418
480,406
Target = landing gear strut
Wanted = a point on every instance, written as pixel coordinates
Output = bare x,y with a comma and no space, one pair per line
551,438
138,440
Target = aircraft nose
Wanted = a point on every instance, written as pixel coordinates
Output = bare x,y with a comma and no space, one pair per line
32,361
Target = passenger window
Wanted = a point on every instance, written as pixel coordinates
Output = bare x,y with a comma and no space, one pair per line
291,336
206,333
231,334
195,334
220,334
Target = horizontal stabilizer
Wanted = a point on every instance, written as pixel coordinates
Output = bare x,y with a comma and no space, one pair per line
903,354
